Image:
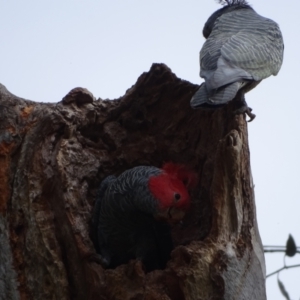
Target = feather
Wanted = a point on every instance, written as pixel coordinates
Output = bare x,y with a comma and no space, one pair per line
241,47
233,2
132,212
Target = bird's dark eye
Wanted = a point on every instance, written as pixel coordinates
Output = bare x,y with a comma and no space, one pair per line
177,197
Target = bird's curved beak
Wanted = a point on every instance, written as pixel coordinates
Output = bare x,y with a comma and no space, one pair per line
172,215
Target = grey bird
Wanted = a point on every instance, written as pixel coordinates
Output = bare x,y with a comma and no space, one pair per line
133,214
241,49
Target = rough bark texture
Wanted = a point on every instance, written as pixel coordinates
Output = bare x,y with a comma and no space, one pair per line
54,156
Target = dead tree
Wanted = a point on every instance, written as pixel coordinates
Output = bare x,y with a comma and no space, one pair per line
53,158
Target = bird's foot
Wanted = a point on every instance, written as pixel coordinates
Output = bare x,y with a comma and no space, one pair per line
99,259
247,110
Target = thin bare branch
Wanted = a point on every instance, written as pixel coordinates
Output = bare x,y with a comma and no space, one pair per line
282,247
283,268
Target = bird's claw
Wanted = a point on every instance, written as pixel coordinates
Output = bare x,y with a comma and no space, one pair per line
250,115
247,110
99,259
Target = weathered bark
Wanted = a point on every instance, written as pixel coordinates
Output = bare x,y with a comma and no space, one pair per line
54,156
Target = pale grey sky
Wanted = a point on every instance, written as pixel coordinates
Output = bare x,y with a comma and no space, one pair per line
50,47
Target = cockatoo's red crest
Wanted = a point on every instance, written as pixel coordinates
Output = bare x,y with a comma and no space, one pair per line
188,177
171,186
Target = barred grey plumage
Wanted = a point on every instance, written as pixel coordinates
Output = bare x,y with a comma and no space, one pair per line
242,48
126,220
116,196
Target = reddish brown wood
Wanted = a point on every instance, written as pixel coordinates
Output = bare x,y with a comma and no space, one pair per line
54,156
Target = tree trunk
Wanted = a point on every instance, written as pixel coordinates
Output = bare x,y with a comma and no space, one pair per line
53,158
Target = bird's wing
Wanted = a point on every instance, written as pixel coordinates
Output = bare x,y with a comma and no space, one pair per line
219,98
242,45
97,208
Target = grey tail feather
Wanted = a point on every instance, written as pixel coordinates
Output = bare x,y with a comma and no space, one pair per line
200,97
225,93
219,97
